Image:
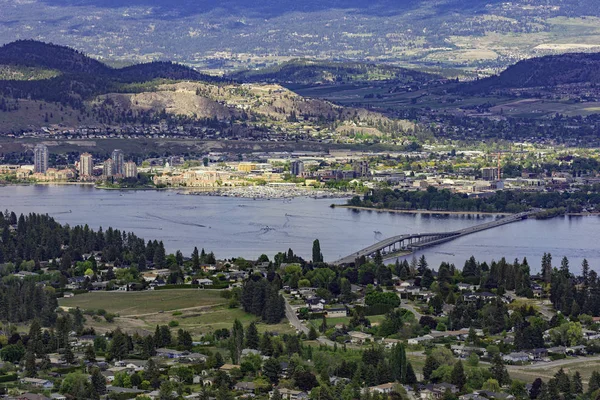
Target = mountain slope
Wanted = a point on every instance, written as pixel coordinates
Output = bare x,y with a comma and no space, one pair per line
312,72
545,72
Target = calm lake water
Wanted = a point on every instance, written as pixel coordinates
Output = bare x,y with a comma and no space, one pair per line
234,227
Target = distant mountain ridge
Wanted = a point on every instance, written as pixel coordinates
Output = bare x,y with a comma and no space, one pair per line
306,71
80,77
31,53
548,71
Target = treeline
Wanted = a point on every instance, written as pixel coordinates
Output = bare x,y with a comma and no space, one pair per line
501,201
572,294
39,237
24,300
261,298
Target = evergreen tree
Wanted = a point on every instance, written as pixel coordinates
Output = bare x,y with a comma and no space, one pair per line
498,370
30,367
195,259
458,377
317,256
90,353
576,384
98,381
252,338
312,333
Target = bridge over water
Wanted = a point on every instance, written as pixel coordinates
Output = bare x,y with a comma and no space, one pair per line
417,241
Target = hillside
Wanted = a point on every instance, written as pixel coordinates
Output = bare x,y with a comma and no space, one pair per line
76,77
548,73
309,72
82,91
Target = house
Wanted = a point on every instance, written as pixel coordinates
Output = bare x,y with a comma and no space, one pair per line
204,282
247,387
289,394
168,353
467,287
228,367
437,391
494,395
40,383
538,354
58,396
360,337
576,350
384,388
336,312
516,357
471,396
31,396
420,339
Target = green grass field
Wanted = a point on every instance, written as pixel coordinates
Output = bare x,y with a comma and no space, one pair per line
199,311
128,304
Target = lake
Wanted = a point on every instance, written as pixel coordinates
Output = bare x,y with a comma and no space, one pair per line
233,227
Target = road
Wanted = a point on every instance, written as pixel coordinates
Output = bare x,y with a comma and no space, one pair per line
293,318
412,309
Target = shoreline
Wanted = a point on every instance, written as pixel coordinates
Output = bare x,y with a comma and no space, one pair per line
389,210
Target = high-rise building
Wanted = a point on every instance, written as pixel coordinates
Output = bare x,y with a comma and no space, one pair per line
118,162
489,174
86,165
361,169
297,167
40,156
109,167
130,170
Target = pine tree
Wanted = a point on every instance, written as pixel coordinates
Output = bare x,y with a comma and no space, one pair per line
312,333
576,384
98,381
90,353
30,367
458,377
498,370
68,354
195,260
252,338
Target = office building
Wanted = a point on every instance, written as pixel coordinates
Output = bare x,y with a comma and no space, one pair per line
40,156
118,162
361,169
297,168
109,167
489,174
130,170
86,165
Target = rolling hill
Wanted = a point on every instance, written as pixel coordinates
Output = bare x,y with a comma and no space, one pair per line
309,72
547,72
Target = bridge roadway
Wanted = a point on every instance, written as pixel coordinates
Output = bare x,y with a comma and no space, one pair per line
419,241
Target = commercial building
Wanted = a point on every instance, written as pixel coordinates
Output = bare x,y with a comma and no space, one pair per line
40,155
489,174
361,169
118,162
86,165
130,170
297,167
109,167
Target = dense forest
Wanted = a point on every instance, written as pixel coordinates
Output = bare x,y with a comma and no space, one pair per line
502,201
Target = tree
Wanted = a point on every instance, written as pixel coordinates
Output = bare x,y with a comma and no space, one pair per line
498,370
576,384
252,338
76,385
90,353
152,374
236,343
536,388
317,256
272,369
98,381
312,333
458,375
195,259
30,367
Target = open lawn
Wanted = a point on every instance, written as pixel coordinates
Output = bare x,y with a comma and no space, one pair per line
130,304
197,311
